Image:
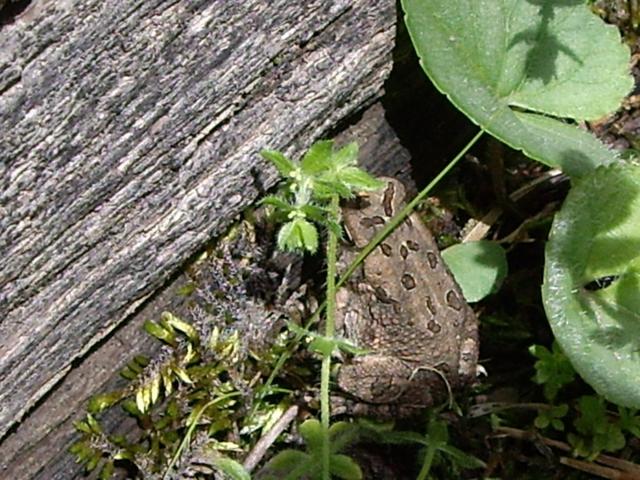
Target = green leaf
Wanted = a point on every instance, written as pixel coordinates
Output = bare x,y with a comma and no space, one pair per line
551,416
437,432
288,461
181,374
553,369
591,278
327,186
141,360
359,180
161,333
311,431
283,164
315,213
593,415
345,467
561,145
101,402
131,408
318,158
182,326
124,455
346,156
231,468
326,345
141,399
154,388
297,235
461,458
279,203
93,424
597,430
342,434
497,58
402,437
93,462
323,345
107,471
478,267
82,426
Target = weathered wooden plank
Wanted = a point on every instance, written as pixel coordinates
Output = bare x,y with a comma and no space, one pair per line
38,448
130,133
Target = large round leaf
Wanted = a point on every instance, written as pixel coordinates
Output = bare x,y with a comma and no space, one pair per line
496,59
478,267
591,288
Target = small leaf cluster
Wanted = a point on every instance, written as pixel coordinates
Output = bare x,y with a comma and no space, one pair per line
190,385
294,464
553,369
596,429
309,185
436,443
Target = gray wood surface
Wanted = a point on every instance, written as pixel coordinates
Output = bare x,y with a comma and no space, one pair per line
129,134
38,448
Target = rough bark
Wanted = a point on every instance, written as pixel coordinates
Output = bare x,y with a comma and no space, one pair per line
38,448
129,137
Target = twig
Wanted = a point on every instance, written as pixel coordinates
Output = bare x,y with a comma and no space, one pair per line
621,469
481,228
260,448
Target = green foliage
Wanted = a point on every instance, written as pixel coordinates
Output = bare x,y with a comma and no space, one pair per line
188,391
438,448
553,369
295,464
520,77
552,417
232,469
592,272
596,430
478,267
303,199
326,345
511,73
313,190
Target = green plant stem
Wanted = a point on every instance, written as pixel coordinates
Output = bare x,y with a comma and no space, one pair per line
187,436
426,464
325,411
404,213
395,221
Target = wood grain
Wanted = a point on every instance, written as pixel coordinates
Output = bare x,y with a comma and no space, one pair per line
129,134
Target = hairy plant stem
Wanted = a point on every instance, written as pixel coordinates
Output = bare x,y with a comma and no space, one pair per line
191,427
325,411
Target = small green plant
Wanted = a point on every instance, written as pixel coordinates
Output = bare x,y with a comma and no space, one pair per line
311,192
193,396
294,464
437,449
553,369
595,428
191,378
